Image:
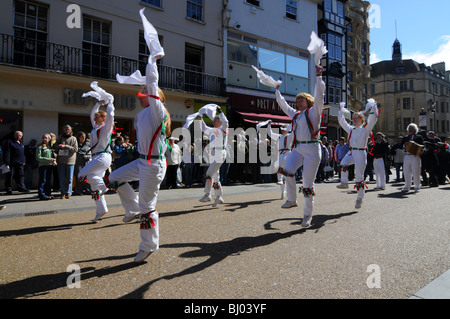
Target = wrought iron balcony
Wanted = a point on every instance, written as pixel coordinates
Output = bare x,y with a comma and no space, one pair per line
64,59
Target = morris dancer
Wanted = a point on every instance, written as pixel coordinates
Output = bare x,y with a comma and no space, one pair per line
412,163
94,171
284,145
152,126
357,141
305,149
218,142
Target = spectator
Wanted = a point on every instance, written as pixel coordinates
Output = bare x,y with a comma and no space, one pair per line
46,160
66,147
173,155
341,150
380,158
31,163
14,158
120,153
55,183
188,167
320,176
398,154
83,157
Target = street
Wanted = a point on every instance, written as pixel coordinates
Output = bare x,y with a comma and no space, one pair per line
247,248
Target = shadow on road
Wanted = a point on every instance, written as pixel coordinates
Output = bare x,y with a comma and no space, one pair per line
42,284
221,250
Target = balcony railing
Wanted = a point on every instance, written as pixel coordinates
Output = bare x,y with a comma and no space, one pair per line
60,58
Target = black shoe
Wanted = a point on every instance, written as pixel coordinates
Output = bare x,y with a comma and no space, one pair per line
24,190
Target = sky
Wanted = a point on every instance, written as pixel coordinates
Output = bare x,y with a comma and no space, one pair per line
423,29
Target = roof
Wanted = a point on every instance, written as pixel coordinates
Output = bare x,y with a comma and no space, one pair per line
389,67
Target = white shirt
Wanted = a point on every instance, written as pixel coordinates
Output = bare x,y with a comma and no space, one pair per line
101,141
302,130
284,141
149,120
174,156
359,134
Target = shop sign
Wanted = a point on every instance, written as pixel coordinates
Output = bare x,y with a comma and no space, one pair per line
121,101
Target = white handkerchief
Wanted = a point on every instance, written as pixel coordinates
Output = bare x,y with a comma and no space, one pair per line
99,93
317,47
151,38
261,124
136,78
266,79
343,109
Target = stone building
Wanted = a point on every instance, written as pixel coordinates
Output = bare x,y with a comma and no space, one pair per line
409,91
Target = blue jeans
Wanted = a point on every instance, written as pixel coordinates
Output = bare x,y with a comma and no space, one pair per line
45,181
65,171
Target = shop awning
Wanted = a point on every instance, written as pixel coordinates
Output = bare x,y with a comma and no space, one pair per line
260,117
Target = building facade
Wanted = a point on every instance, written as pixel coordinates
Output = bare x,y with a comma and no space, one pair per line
252,31
52,50
358,54
411,92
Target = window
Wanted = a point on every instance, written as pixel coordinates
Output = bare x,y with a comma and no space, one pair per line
194,9
193,64
297,66
403,85
350,76
334,11
334,90
282,63
406,122
242,53
334,46
291,9
363,47
372,89
443,126
395,86
272,60
96,41
254,2
411,85
399,124
30,32
156,3
406,103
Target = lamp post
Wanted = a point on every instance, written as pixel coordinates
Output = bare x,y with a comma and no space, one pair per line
432,109
423,120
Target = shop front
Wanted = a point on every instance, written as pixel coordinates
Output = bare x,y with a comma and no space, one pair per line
248,110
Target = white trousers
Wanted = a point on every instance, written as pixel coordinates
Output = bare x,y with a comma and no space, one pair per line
380,172
281,178
308,156
359,158
213,176
150,178
411,171
94,171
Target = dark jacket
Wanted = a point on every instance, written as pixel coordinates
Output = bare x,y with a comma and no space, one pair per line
14,153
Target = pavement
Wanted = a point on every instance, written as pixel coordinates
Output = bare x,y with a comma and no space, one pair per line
395,247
